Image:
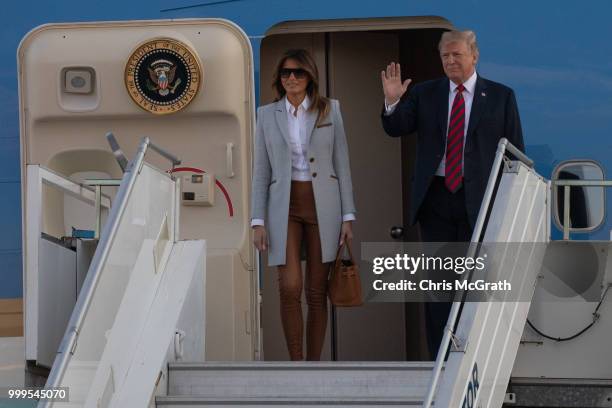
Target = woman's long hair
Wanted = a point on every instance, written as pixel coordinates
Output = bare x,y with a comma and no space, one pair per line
306,62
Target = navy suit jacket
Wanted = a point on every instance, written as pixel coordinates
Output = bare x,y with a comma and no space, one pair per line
494,115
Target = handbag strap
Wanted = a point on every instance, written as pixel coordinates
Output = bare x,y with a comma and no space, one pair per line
339,253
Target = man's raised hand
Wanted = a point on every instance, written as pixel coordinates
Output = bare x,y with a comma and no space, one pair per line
392,83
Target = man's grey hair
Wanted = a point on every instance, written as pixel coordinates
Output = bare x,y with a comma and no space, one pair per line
468,36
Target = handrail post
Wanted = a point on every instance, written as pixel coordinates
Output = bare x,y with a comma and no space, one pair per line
566,212
98,184
98,210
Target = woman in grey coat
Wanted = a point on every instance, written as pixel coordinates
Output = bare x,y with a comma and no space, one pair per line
302,191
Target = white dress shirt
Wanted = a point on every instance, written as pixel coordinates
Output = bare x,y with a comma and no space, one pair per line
296,121
468,97
298,134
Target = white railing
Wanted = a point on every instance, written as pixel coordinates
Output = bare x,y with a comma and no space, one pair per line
460,369
38,178
145,209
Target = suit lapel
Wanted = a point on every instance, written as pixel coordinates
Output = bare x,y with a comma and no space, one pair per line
478,105
442,114
280,112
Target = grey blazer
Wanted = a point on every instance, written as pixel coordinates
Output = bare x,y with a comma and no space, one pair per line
329,166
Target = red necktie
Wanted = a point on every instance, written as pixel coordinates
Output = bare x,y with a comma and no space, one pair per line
454,143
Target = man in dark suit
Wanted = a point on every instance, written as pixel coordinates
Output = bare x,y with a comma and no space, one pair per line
459,120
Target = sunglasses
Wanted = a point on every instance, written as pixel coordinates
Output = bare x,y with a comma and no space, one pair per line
298,73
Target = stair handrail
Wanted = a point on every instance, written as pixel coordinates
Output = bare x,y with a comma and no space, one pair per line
502,147
69,341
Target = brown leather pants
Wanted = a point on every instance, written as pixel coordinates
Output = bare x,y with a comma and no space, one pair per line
303,226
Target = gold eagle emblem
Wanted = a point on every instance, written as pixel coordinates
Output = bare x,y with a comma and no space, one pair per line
163,76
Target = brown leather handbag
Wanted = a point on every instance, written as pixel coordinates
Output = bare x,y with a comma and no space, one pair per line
344,281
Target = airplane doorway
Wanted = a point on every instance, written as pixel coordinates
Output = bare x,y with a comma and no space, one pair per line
350,55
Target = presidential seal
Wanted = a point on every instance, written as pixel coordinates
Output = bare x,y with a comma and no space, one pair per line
163,76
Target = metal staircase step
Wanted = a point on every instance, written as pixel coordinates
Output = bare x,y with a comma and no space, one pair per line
284,402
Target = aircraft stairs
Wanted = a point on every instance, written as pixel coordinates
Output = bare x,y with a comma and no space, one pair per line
137,356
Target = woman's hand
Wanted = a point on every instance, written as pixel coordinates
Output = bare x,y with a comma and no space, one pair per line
260,238
346,233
